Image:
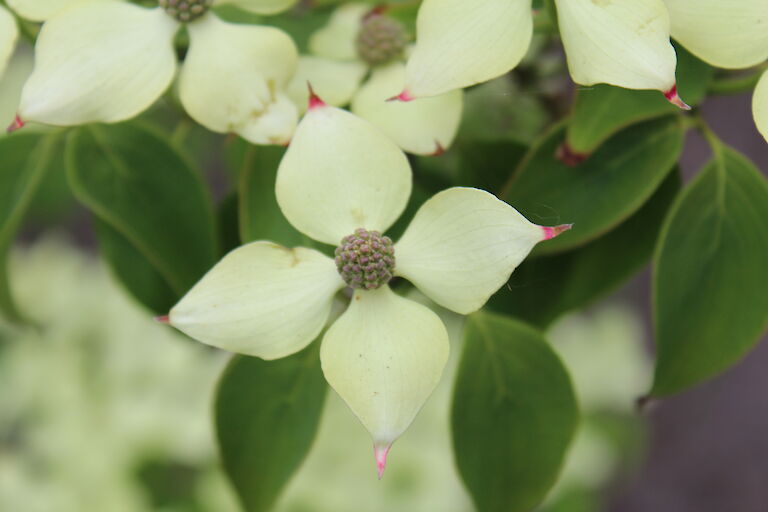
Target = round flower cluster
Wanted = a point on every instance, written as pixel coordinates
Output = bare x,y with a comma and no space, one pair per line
380,39
185,10
366,259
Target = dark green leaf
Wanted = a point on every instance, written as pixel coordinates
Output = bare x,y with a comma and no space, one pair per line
267,414
541,289
134,271
134,181
600,193
514,414
487,164
711,274
24,161
260,215
229,222
602,110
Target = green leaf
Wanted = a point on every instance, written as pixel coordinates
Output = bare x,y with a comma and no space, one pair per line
267,414
602,110
600,193
542,289
134,271
135,182
260,215
514,414
711,274
24,161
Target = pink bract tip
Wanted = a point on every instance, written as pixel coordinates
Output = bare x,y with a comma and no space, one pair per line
380,451
551,232
404,96
314,99
439,149
17,124
376,11
163,319
674,98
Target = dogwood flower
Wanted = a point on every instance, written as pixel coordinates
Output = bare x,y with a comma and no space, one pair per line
343,182
109,60
729,35
623,43
359,40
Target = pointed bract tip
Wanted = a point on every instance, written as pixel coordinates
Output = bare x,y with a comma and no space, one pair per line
404,96
439,149
566,154
17,124
380,451
675,99
377,10
163,319
644,403
551,232
314,99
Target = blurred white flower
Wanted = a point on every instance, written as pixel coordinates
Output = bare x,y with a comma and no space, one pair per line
109,60
360,40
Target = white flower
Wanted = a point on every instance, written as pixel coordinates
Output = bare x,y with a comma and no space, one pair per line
624,43
731,35
336,69
9,33
108,60
342,182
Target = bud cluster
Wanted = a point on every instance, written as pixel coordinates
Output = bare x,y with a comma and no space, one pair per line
380,39
366,259
185,10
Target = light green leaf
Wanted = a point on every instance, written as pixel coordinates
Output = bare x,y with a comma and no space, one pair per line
24,161
711,274
602,110
600,193
267,415
542,289
134,181
514,414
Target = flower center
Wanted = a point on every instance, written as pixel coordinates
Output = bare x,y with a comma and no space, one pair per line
380,39
185,10
366,259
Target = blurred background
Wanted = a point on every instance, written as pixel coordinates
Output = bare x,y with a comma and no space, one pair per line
102,409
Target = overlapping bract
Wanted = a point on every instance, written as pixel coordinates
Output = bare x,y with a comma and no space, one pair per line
385,354
109,60
463,43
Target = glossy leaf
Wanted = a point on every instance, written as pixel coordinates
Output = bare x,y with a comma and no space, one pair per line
542,289
267,415
260,216
135,182
514,414
600,193
24,161
711,277
602,110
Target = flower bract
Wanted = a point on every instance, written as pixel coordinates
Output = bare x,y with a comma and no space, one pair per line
344,183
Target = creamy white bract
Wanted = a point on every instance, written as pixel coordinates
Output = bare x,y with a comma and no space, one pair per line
109,60
623,43
336,73
385,354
